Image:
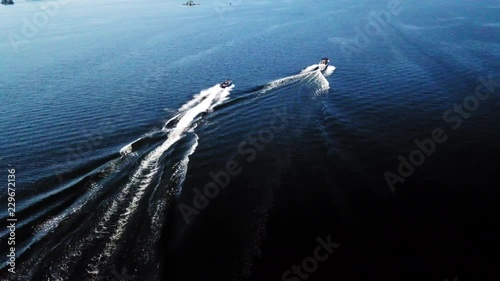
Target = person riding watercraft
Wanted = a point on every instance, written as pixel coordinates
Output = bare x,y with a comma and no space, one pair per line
226,84
323,64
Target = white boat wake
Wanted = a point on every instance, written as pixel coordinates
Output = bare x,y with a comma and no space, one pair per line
329,70
203,102
315,67
310,71
284,81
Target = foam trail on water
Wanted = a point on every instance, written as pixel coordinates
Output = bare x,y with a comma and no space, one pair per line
129,148
196,99
170,121
203,102
310,68
177,178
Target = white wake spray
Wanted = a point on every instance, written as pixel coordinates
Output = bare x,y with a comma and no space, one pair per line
114,221
308,72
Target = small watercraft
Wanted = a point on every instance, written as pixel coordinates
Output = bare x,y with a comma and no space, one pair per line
226,84
323,64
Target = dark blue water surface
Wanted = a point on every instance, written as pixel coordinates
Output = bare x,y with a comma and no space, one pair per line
114,123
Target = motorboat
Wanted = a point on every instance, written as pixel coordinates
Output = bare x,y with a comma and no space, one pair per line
226,84
323,64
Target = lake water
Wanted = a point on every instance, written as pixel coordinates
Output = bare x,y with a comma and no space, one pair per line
131,160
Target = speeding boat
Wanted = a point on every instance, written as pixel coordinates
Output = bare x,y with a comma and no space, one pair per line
190,3
323,64
226,84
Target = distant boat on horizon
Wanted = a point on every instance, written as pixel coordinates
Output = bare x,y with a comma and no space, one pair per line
190,3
